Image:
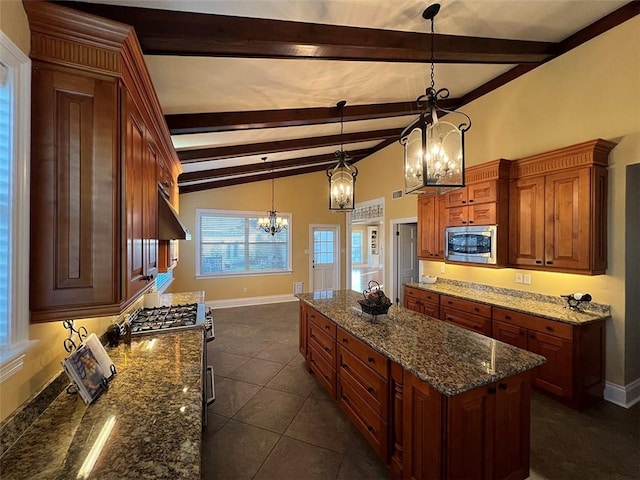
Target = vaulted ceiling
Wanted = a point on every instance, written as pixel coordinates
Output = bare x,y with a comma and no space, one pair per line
240,80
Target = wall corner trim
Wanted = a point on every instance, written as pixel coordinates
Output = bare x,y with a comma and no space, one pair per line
625,396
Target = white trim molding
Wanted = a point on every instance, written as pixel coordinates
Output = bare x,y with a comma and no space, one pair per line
625,396
246,301
19,74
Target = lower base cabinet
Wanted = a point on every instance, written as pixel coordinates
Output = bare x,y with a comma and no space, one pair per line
482,433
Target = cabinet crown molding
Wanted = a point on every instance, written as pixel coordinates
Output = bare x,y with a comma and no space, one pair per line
593,152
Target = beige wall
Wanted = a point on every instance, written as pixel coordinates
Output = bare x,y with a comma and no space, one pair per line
13,22
590,92
306,197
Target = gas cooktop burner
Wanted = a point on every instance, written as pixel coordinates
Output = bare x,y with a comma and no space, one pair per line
165,318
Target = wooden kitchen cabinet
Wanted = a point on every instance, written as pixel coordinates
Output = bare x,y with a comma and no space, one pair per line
479,422
482,192
431,222
558,209
422,301
74,195
98,136
574,372
466,314
322,349
302,330
141,200
363,390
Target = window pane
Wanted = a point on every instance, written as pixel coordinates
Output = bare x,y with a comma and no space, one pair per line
5,208
356,247
232,243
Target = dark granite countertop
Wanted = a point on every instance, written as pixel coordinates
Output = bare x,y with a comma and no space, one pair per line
449,358
149,419
540,305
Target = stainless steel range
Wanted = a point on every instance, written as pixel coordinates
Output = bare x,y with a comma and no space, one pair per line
171,317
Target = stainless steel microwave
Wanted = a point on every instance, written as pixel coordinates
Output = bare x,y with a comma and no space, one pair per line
477,244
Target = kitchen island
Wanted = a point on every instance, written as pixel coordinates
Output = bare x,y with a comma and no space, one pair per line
434,400
148,423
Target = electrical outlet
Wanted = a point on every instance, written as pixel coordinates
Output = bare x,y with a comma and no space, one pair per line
245,289
442,269
527,279
518,278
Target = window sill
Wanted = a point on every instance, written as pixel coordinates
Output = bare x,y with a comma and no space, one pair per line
232,275
12,358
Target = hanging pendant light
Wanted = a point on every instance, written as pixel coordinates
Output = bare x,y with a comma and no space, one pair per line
342,176
434,149
272,223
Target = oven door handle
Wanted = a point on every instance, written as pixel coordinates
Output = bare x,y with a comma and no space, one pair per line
212,398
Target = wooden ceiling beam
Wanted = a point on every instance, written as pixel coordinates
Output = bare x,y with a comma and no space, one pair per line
260,167
196,187
187,123
231,151
166,32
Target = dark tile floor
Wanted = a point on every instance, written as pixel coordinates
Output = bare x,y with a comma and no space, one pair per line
272,420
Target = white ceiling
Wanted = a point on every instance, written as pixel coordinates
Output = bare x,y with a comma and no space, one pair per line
205,84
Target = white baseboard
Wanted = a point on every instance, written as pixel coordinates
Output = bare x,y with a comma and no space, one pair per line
626,396
246,301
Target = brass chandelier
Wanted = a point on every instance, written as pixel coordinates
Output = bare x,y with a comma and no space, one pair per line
272,223
434,149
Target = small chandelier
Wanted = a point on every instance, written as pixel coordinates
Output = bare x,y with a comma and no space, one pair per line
433,149
272,223
342,177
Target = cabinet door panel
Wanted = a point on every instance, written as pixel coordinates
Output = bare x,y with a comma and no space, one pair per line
471,322
302,332
470,420
526,221
135,153
370,386
427,226
150,212
511,334
556,375
422,430
512,427
457,198
567,210
74,196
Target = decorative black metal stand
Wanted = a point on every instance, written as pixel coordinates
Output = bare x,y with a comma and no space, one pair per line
71,346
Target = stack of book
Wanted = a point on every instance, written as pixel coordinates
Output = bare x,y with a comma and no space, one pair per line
89,368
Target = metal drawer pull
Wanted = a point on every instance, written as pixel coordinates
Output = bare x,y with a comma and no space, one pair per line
549,327
327,327
327,349
371,390
344,340
370,428
326,377
492,390
345,366
212,398
503,386
371,360
507,317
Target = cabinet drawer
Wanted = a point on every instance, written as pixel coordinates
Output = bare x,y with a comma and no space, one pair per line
483,214
422,294
373,428
472,322
367,382
323,322
322,370
484,192
466,306
531,322
323,342
364,353
456,216
456,197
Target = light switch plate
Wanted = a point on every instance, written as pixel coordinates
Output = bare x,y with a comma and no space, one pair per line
527,279
442,269
518,278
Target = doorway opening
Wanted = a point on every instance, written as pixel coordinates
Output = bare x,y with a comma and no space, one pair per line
404,261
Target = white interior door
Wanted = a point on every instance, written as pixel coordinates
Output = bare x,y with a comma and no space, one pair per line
325,257
408,267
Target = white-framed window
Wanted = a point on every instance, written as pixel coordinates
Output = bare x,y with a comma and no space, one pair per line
356,246
15,109
229,243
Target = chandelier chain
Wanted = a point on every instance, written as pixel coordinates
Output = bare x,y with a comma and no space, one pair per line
432,54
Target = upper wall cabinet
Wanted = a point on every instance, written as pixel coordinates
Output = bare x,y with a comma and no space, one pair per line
558,209
98,134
